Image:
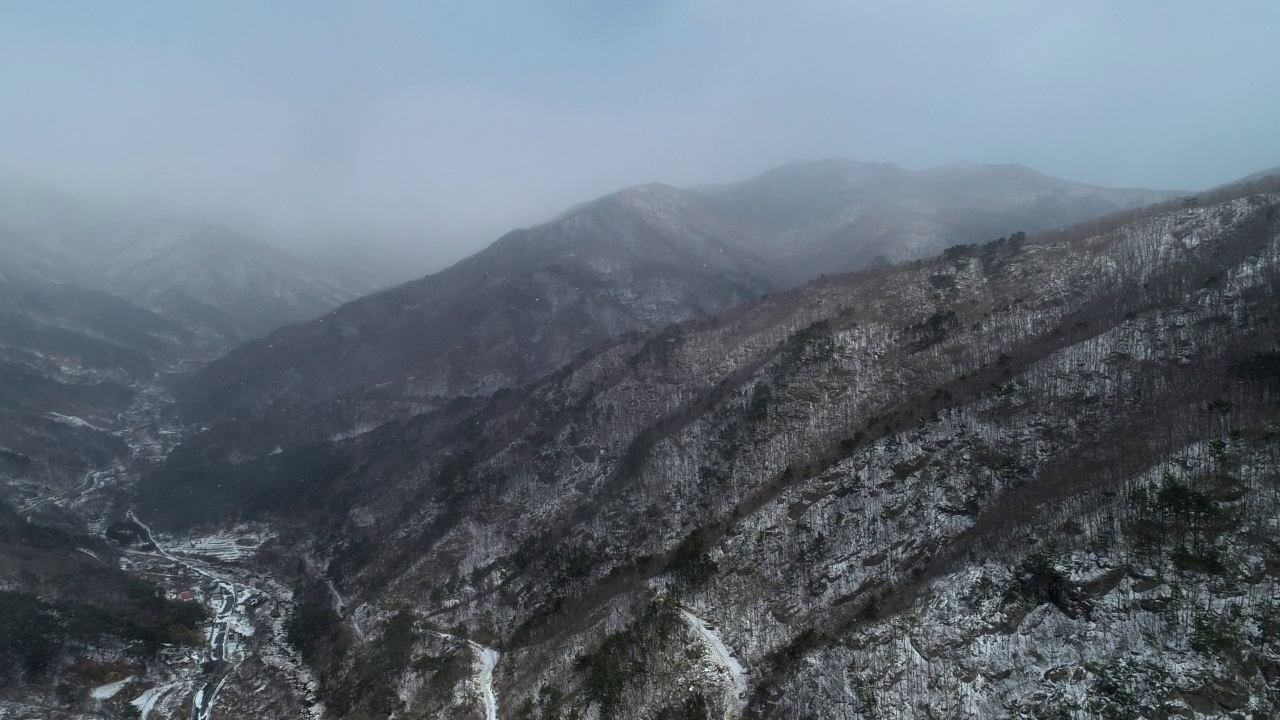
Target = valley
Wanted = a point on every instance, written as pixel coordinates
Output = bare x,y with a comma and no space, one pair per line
639,361
246,607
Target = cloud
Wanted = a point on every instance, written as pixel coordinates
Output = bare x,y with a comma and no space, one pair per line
434,128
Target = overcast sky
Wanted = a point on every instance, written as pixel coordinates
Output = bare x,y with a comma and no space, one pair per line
438,125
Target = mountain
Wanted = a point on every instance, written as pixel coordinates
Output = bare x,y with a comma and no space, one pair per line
840,215
207,278
70,361
632,261
1258,176
96,305
1032,477
635,260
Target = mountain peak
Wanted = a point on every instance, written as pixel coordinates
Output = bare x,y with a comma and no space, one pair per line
233,286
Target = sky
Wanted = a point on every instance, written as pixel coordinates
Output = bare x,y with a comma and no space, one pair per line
418,132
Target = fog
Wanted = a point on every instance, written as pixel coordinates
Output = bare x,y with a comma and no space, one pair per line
417,133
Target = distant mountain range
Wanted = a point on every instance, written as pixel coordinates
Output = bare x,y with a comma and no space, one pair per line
214,282
94,302
663,456
839,215
631,261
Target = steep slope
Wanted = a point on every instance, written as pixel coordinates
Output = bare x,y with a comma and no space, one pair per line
69,361
226,286
1021,478
59,595
635,260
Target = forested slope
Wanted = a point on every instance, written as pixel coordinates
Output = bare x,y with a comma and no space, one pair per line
1025,477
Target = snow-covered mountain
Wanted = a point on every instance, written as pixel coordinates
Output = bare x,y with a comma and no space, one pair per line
632,261
839,215
202,276
68,360
1029,477
1033,477
93,303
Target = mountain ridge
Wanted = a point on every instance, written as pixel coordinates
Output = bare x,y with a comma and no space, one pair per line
650,255
202,274
826,472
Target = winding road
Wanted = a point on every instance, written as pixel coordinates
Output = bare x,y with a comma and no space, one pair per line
219,629
150,438
89,483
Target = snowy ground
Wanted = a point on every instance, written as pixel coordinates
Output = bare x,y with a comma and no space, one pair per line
736,687
230,545
108,691
486,662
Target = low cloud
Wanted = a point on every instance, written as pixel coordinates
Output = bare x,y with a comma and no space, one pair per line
428,132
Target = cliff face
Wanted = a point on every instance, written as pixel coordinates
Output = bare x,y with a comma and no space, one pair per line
1020,479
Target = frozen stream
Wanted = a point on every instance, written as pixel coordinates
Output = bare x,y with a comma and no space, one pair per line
736,691
485,663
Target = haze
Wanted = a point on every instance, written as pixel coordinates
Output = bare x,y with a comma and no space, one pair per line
418,132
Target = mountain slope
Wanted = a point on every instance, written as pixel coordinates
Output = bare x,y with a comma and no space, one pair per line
632,261
838,215
1030,479
69,361
227,286
635,260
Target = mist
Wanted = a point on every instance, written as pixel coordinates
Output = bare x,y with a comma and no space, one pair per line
413,136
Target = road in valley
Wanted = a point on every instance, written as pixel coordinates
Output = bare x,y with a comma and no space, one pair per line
231,592
89,482
220,629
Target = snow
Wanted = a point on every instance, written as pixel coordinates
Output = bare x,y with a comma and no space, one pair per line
736,694
339,603
106,692
228,545
357,431
177,686
486,661
146,702
75,421
229,622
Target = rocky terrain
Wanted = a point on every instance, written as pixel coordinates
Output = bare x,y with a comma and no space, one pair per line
634,261
1032,477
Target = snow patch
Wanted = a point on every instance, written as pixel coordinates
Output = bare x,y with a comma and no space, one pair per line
75,421
736,694
486,661
146,702
106,692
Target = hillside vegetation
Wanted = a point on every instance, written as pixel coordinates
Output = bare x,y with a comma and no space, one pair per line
1030,477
